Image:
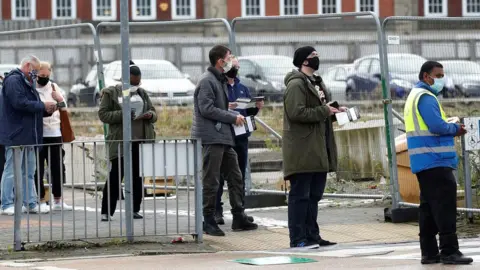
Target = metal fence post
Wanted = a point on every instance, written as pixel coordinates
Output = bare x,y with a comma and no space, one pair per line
467,178
18,186
127,118
388,114
197,164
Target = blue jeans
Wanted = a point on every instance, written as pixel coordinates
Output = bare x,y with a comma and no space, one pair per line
28,167
306,190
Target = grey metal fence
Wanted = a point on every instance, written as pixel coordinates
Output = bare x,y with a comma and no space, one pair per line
458,52
87,184
362,175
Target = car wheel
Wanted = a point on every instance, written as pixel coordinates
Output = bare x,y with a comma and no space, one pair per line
97,100
349,94
71,103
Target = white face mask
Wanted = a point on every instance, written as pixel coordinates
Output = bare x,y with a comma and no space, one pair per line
228,65
133,89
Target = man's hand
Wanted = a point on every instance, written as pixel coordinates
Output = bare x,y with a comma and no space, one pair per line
260,104
240,120
232,105
461,131
57,96
333,110
343,109
50,107
145,116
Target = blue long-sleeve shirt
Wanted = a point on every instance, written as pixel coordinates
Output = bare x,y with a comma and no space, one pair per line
430,111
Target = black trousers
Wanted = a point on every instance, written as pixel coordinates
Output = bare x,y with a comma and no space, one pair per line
221,160
241,148
53,155
115,178
438,203
306,190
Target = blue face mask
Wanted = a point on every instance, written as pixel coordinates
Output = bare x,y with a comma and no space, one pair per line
438,84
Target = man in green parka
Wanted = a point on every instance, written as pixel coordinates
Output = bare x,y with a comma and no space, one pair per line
143,118
309,150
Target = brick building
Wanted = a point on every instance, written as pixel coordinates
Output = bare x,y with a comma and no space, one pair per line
108,10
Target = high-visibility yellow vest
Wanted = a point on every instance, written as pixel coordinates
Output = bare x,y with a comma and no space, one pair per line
426,150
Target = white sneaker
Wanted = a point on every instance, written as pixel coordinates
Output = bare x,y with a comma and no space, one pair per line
58,207
10,211
44,209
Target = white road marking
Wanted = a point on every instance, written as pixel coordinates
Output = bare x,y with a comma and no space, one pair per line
51,268
16,264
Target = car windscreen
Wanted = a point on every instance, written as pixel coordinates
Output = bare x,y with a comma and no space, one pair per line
405,64
159,71
275,66
463,67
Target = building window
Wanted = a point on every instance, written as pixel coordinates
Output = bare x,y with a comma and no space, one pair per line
291,7
144,9
253,8
64,9
184,9
367,5
104,10
23,9
471,7
329,6
435,8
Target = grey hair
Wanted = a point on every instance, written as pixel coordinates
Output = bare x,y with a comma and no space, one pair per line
31,59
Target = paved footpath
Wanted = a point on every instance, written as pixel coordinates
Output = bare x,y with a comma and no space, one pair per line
379,256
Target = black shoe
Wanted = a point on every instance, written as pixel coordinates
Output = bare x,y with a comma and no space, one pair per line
210,227
456,258
219,219
250,218
324,243
431,259
137,216
241,223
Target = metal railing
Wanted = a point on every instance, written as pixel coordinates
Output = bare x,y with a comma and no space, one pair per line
167,170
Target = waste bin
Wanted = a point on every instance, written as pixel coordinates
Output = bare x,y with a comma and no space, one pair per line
407,181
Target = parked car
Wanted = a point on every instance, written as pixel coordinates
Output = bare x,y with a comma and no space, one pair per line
365,81
335,79
464,77
5,68
264,74
85,91
163,81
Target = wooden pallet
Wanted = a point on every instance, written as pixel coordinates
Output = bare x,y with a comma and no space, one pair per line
159,183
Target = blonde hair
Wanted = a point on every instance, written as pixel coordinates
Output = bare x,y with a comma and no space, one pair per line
46,65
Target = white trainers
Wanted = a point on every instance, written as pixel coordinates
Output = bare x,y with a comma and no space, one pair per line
58,207
10,211
42,209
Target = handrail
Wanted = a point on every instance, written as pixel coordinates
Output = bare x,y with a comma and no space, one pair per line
268,128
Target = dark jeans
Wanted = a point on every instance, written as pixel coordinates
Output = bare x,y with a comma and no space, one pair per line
241,148
438,203
306,190
115,178
219,159
53,155
2,162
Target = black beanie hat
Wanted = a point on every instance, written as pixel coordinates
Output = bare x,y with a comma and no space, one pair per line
301,54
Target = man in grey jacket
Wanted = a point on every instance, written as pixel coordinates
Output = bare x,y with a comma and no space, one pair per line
212,123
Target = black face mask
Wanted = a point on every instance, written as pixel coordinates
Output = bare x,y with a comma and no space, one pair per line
43,80
232,73
313,63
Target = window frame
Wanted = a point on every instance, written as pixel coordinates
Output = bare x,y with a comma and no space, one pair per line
282,8
153,11
338,4
55,7
427,13
376,7
244,9
33,11
112,17
193,8
465,12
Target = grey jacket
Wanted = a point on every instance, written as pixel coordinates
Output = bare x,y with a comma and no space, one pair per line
212,120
